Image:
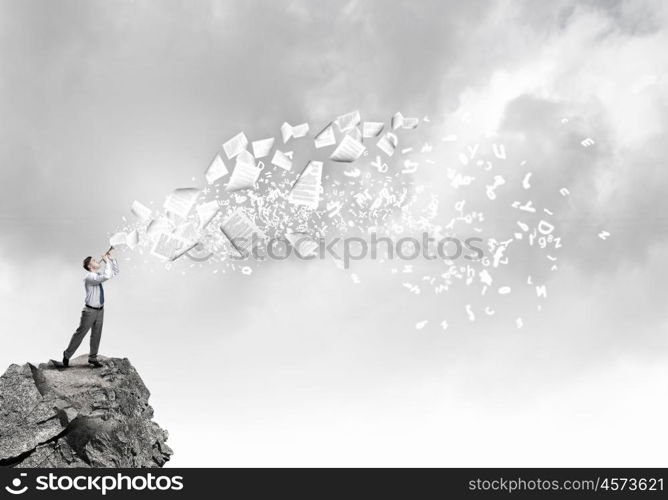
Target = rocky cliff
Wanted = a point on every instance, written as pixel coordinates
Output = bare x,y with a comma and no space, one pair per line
78,417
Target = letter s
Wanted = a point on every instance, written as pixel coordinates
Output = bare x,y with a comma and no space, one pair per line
177,483
478,251
42,483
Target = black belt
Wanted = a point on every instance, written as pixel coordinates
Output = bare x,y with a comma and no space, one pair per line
97,308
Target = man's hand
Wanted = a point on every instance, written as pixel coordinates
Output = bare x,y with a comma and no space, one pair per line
105,257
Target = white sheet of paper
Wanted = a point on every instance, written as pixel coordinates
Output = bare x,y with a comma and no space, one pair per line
235,145
355,133
348,150
206,212
140,210
216,170
348,121
181,201
410,123
281,160
388,143
118,239
160,225
166,246
245,173
133,239
262,147
325,137
306,190
372,129
299,131
239,230
286,132
397,120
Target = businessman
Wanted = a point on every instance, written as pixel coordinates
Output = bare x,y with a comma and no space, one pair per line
92,315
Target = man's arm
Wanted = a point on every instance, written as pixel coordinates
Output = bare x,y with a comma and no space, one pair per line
97,278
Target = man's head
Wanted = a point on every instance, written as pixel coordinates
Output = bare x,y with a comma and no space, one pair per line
90,264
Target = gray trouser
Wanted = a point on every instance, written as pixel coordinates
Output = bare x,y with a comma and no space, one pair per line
90,318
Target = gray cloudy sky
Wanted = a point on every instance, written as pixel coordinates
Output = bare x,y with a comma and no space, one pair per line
102,103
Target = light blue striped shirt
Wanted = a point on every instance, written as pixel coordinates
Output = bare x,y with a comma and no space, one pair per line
92,283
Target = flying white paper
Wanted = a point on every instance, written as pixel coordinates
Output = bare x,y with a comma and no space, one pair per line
240,231
388,143
216,170
245,173
372,129
348,150
235,145
281,160
348,121
306,190
325,137
288,131
141,211
181,201
262,147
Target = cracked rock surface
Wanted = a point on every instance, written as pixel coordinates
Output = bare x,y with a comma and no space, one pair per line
78,417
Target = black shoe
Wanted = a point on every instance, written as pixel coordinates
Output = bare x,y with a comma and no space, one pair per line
66,362
95,363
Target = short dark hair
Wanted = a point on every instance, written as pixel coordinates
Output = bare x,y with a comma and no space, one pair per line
86,262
